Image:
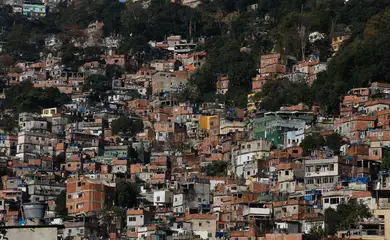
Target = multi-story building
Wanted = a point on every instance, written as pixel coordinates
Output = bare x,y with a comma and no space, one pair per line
87,196
324,171
31,143
274,125
42,191
192,194
136,219
249,157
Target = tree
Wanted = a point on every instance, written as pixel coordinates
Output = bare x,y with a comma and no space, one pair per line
59,159
126,194
279,92
8,123
331,221
216,169
333,141
111,217
127,126
317,231
5,63
61,204
347,216
385,162
97,85
312,142
316,141
23,97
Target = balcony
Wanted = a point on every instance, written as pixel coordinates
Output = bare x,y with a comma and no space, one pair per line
365,170
383,205
321,173
257,212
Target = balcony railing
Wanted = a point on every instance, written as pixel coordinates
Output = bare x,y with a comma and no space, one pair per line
257,211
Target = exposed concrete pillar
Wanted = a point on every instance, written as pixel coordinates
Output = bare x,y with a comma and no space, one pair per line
386,214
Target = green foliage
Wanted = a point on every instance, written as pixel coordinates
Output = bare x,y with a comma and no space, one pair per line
332,221
333,141
317,231
357,64
8,123
5,62
59,159
216,169
126,194
280,92
25,98
111,215
97,85
61,204
315,141
385,162
229,27
346,217
225,58
312,142
127,126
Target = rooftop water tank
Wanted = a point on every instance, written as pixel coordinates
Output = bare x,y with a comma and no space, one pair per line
34,210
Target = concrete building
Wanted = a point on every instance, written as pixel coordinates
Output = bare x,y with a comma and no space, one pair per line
87,196
192,194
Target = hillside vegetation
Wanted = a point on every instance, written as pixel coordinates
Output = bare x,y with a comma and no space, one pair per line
237,38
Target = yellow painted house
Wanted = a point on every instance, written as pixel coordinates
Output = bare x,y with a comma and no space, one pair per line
205,122
49,112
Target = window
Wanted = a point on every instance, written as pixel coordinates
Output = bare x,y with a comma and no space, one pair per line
158,199
199,199
310,181
331,180
331,167
132,219
325,180
69,196
286,173
375,152
200,224
326,200
334,201
175,199
210,235
78,184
